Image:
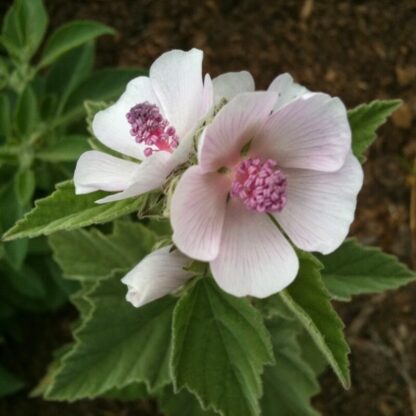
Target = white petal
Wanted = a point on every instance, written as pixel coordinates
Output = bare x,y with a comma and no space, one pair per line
320,206
311,132
197,212
287,90
176,78
255,258
158,274
150,174
230,84
233,127
100,171
208,95
111,127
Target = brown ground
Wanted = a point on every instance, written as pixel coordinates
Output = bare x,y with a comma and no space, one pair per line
358,50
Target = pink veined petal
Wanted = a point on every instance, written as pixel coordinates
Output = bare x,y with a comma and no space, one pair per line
230,84
197,213
232,128
311,132
176,78
150,174
286,89
100,171
158,274
111,127
320,206
255,258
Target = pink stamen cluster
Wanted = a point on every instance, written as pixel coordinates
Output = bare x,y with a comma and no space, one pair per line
149,127
261,186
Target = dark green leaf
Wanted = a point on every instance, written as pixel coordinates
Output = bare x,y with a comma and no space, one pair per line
67,149
27,113
24,187
9,383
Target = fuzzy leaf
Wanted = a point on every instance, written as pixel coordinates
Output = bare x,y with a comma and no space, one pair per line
365,120
220,346
355,269
118,252
309,301
117,346
63,210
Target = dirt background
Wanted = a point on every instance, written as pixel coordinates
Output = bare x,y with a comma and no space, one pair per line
357,50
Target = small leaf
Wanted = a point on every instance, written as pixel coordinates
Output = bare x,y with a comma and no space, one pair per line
355,269
66,149
9,383
309,301
25,187
365,120
72,35
23,29
63,210
118,252
117,346
220,346
27,113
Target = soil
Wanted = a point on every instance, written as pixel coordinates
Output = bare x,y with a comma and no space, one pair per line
357,50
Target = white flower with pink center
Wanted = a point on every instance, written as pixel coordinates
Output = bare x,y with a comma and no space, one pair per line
275,169
153,121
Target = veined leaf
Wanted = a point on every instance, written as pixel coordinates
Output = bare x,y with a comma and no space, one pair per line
355,269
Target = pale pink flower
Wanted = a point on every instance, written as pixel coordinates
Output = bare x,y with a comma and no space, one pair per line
153,121
279,157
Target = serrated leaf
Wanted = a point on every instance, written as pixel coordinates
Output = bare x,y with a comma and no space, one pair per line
365,120
64,211
290,384
66,149
220,346
120,251
72,35
354,269
117,346
310,303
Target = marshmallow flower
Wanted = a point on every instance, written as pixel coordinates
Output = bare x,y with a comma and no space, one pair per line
275,169
153,122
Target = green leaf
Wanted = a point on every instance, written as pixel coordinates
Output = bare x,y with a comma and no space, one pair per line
117,346
365,120
9,383
118,252
355,269
220,346
132,392
63,210
24,186
290,384
70,36
27,113
24,27
67,149
68,72
5,116
309,301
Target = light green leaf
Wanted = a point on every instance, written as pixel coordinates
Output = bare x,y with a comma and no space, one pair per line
63,210
72,35
24,27
120,251
9,383
67,149
117,346
220,346
24,186
309,301
27,113
365,120
355,269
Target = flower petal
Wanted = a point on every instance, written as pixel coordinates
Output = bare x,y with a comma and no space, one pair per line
100,171
208,95
150,174
255,258
311,132
320,206
158,274
230,84
232,128
286,89
111,127
176,78
197,213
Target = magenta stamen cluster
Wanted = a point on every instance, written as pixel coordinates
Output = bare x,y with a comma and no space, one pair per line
260,185
149,127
